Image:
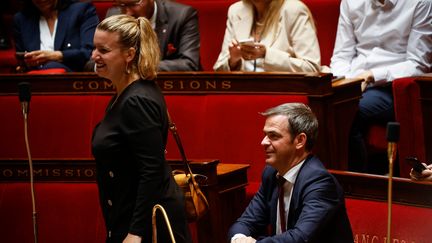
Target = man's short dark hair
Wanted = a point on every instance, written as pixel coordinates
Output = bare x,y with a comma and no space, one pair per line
301,119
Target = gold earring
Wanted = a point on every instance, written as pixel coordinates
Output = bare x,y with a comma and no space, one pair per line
127,68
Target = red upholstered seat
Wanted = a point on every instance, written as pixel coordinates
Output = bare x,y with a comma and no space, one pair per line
326,15
408,113
102,8
48,71
7,60
212,17
376,139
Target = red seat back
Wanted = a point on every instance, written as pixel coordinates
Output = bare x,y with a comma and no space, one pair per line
406,95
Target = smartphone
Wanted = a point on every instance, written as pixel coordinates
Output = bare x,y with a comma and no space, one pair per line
337,78
249,42
415,164
20,55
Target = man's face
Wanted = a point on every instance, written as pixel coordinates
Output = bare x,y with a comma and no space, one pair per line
279,145
136,8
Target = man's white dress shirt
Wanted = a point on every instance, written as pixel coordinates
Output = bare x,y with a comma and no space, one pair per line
392,40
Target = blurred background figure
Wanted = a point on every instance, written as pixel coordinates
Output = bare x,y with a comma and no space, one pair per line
269,35
425,175
176,26
55,33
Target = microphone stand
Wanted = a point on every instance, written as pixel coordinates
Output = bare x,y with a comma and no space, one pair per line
391,151
24,96
31,180
392,138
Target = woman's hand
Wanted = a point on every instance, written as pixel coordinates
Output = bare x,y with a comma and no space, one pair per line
252,52
130,238
235,55
40,57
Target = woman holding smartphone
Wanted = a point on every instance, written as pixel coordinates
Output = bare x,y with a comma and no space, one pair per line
269,35
55,34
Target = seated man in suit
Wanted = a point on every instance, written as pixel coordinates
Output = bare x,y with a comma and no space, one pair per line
379,41
176,26
298,198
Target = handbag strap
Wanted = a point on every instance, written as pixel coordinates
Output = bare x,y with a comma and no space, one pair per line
173,129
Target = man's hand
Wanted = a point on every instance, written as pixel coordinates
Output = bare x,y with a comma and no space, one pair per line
244,240
368,79
426,175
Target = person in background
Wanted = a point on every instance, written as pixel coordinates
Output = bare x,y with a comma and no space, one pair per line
298,199
379,41
129,143
4,38
55,33
281,37
176,26
426,174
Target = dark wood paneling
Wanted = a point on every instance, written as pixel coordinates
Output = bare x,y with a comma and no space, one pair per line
375,187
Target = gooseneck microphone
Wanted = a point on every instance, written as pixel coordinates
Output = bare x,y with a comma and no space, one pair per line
24,93
392,139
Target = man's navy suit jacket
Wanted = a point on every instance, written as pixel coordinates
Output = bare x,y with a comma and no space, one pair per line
316,214
75,30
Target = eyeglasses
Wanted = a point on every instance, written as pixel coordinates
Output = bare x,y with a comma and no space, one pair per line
130,4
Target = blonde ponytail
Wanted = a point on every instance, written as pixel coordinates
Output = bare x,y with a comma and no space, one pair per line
138,34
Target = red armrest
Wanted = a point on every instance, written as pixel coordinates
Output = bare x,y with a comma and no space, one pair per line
408,113
406,97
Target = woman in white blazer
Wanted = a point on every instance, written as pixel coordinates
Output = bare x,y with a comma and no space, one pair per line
269,35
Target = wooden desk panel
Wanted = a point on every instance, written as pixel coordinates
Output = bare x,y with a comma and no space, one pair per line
225,189
333,103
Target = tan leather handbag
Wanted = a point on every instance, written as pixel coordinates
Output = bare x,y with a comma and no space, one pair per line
196,204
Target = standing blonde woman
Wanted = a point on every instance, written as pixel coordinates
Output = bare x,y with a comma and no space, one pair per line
281,36
129,143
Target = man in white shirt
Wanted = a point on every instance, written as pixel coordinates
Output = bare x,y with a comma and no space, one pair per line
379,41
